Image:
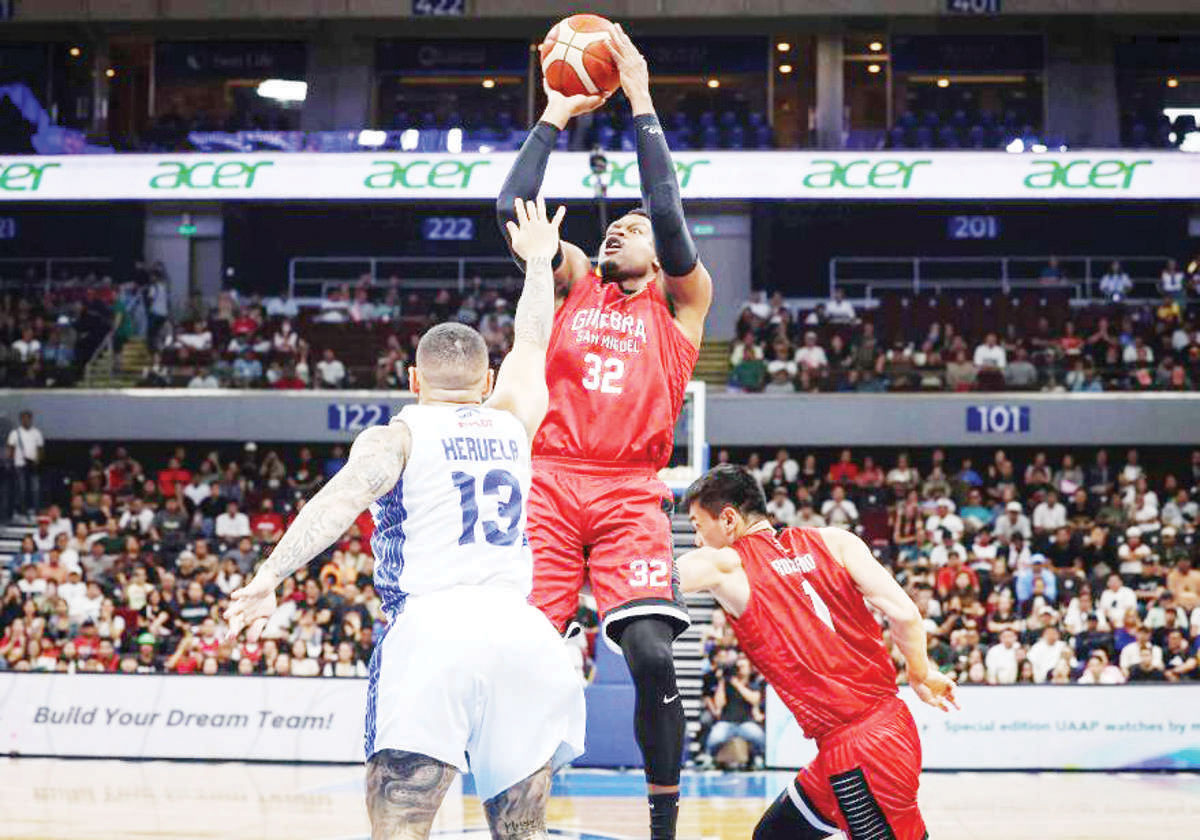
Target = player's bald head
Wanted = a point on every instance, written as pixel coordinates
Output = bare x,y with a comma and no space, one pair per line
452,357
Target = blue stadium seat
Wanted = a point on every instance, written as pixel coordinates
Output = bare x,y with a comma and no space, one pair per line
763,138
728,119
947,137
736,137
906,121
710,137
708,120
923,138
898,138
977,137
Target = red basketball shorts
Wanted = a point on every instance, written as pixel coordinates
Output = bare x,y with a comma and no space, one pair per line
611,525
864,778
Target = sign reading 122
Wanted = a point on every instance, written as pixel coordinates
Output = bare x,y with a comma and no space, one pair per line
354,417
973,7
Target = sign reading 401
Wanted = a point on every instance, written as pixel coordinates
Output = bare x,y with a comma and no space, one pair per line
998,419
973,7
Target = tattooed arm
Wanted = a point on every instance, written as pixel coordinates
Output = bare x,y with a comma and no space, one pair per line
521,383
376,461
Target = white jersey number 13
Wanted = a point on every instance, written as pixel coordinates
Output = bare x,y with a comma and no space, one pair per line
603,375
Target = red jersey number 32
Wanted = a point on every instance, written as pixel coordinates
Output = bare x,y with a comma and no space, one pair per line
603,375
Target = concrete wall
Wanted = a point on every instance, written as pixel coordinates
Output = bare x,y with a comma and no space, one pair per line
168,10
733,419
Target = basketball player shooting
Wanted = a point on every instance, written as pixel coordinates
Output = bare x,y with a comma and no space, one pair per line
625,340
467,673
796,603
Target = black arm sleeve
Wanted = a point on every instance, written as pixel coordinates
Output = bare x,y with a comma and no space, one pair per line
660,194
525,179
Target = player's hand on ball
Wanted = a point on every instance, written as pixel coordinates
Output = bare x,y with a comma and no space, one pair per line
534,235
251,606
561,109
631,64
938,691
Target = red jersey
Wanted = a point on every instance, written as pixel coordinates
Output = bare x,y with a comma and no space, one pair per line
617,368
808,630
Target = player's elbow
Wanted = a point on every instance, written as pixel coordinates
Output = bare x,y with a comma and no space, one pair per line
904,613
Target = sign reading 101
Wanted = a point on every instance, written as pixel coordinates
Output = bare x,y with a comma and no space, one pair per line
998,419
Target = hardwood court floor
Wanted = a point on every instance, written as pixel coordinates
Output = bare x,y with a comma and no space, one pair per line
48,798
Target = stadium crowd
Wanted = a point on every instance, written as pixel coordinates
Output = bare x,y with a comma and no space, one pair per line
1111,346
251,343
47,337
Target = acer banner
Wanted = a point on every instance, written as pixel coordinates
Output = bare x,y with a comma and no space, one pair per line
702,175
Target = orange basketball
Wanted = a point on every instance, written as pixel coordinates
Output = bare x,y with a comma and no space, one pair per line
575,59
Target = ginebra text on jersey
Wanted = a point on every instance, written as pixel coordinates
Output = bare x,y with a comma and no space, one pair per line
622,333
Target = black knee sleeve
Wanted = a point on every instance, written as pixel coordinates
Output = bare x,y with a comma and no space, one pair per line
783,821
658,721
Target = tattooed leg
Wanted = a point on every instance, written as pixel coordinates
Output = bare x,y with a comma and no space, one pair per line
519,813
404,791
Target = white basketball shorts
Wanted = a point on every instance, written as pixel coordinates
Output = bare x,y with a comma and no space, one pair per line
475,677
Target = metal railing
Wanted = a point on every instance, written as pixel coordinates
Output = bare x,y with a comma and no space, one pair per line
1081,275
314,277
45,272
89,373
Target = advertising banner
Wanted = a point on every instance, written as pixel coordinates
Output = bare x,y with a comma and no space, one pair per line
1105,175
1022,727
226,717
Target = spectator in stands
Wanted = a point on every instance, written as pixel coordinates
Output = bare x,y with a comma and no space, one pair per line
844,471
331,373
839,310
840,511
945,519
1172,283
1049,515
1052,273
960,372
738,701
203,379
1020,374
26,448
1116,284
1098,671
285,343
811,356
232,524
757,305
780,508
780,375
1014,521
1002,659
791,469
991,354
1117,600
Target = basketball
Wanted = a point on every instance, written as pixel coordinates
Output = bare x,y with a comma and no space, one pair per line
575,59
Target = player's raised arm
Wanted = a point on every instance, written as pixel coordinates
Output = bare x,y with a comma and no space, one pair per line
687,281
521,383
908,630
374,466
524,180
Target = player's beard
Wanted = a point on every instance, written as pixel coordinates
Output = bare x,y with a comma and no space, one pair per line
611,271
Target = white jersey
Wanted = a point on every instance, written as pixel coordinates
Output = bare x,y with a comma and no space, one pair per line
457,515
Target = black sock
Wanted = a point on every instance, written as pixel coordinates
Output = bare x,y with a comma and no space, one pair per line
664,811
